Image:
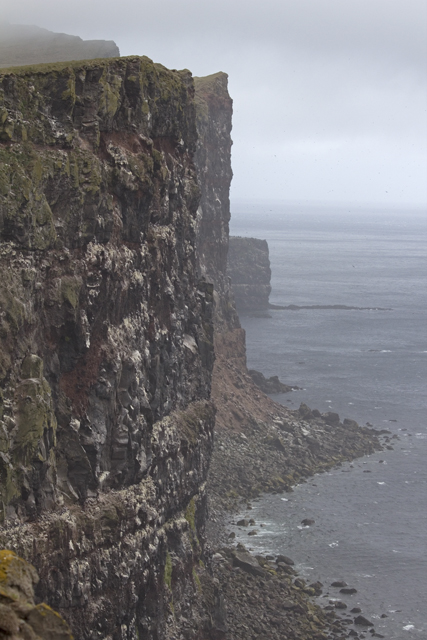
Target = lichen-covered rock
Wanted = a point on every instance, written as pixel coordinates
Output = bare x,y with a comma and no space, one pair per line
98,274
20,617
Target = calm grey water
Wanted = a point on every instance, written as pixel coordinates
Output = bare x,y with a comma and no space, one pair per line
370,516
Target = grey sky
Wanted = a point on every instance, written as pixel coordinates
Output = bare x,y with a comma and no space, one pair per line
330,97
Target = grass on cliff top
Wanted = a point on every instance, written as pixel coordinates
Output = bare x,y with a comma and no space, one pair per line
204,83
49,67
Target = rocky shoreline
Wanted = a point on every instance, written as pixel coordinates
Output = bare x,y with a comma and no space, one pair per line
261,446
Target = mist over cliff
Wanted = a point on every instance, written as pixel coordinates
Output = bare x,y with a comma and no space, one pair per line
22,44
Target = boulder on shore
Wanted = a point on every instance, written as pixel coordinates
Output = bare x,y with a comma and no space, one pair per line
269,385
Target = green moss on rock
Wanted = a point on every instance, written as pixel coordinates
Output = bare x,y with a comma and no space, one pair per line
32,367
190,514
168,570
34,413
70,290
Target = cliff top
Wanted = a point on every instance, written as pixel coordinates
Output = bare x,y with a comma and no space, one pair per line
45,68
22,44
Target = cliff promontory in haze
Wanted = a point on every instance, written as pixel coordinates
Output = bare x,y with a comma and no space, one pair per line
22,44
250,273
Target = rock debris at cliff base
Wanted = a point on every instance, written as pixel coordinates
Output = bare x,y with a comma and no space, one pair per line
261,446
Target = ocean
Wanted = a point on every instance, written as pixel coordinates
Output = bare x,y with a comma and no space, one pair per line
368,364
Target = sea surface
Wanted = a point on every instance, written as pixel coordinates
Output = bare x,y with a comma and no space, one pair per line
370,515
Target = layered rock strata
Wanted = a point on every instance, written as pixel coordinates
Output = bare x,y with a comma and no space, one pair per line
106,345
250,273
22,44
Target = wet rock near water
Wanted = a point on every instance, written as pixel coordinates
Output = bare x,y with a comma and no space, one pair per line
265,603
285,559
362,621
269,385
261,446
272,456
307,522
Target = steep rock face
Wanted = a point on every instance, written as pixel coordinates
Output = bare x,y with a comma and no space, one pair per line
214,109
250,273
22,44
106,344
20,617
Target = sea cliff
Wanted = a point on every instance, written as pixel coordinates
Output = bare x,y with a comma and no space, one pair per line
122,357
106,344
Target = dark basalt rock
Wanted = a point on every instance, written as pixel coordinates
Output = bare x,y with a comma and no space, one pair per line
269,385
306,413
331,418
242,523
317,586
285,560
248,563
362,621
350,423
106,341
307,522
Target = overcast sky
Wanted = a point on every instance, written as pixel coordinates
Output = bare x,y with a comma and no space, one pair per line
330,96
